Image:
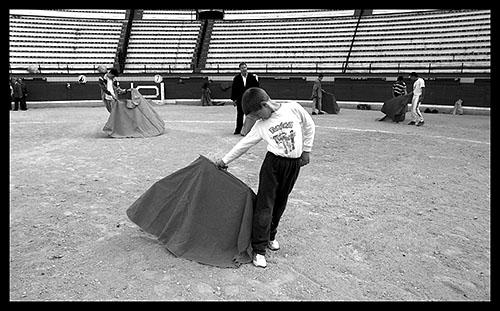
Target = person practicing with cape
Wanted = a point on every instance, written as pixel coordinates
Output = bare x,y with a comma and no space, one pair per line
396,106
288,130
128,118
109,87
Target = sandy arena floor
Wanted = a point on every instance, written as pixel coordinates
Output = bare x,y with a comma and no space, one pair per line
384,211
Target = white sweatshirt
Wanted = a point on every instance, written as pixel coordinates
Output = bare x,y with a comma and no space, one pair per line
417,86
109,86
289,131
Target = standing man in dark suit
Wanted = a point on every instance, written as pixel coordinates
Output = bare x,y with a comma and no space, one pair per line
242,82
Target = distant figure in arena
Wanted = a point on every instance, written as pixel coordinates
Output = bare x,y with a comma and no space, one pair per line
317,95
109,88
206,96
11,95
206,99
241,82
128,118
19,93
458,107
398,89
418,96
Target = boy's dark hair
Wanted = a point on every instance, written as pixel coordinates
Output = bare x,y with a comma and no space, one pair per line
242,63
320,75
114,72
414,74
400,78
252,99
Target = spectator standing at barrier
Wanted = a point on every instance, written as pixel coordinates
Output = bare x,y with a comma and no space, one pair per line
20,92
206,99
418,96
11,95
317,95
241,82
109,88
399,87
458,107
289,132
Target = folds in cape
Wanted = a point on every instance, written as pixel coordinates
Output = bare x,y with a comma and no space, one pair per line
133,118
200,213
395,108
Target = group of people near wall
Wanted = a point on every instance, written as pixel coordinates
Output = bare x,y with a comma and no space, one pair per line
18,94
396,108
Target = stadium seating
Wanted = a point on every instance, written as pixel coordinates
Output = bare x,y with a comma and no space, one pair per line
286,45
168,15
430,40
440,41
62,44
161,45
295,41
284,14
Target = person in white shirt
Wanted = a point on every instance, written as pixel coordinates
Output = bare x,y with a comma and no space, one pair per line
289,131
418,96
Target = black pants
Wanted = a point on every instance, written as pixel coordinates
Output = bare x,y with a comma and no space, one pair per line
239,117
20,101
276,180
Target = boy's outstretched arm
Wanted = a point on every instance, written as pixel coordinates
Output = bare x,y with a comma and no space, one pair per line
240,148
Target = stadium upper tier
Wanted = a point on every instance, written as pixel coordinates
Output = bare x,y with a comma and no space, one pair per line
269,41
440,40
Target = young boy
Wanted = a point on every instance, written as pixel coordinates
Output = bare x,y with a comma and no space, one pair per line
399,87
418,96
289,133
109,87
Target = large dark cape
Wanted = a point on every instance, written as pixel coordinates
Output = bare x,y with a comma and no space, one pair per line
133,118
395,108
329,103
200,213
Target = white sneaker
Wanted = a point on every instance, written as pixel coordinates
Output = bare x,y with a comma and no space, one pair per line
259,260
273,245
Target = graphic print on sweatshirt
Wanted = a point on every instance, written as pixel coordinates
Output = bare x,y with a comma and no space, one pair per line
284,135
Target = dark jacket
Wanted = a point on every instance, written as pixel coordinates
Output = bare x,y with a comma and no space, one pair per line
238,88
103,84
19,90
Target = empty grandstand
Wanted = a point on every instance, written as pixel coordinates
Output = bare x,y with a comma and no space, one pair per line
436,41
63,41
345,45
